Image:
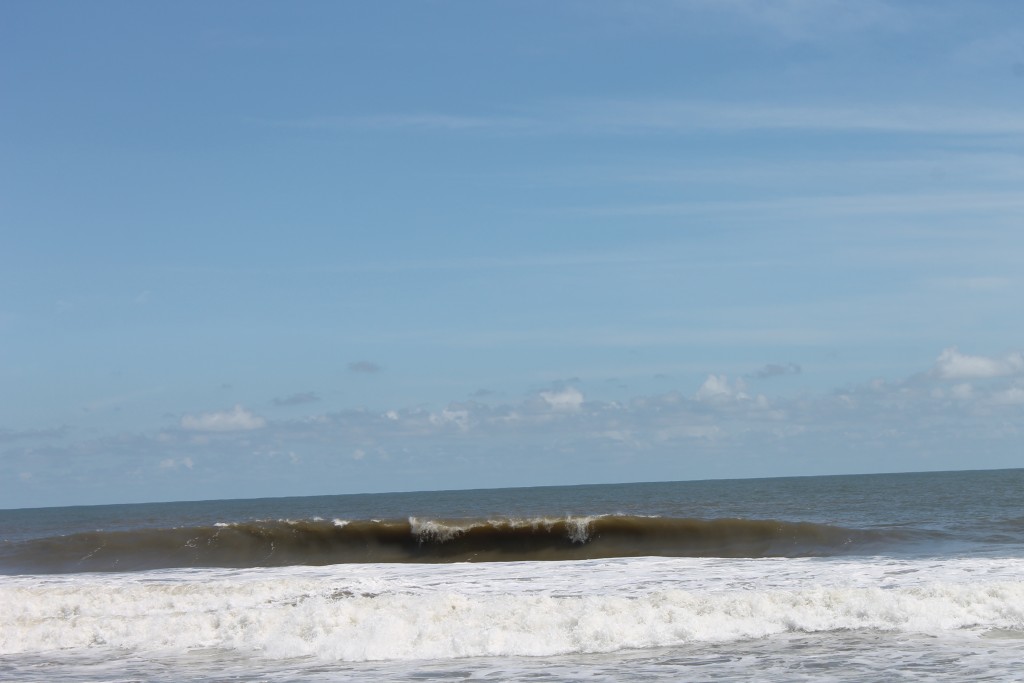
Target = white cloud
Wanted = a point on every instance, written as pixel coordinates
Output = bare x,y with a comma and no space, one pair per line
660,435
172,464
668,116
652,115
238,419
690,432
717,388
962,392
457,416
569,399
714,387
951,364
1009,397
926,203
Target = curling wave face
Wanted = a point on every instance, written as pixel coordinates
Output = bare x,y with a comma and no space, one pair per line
322,542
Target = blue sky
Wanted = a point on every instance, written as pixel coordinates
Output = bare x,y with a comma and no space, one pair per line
259,249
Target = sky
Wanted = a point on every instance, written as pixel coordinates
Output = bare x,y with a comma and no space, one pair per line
278,249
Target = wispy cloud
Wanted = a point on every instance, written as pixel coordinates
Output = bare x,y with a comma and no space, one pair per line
365,367
848,205
600,337
776,370
803,22
965,400
666,116
568,399
979,283
1012,396
172,464
682,116
813,21
951,364
979,168
238,419
11,435
296,399
420,121
1001,48
718,408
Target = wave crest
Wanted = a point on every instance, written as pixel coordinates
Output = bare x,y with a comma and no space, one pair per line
320,542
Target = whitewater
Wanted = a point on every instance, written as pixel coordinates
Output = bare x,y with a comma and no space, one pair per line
949,607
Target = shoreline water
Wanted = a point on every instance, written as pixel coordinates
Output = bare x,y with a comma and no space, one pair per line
947,605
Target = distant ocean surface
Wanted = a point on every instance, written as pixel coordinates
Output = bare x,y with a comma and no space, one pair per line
844,578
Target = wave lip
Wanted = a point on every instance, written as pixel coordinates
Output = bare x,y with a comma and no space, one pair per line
275,543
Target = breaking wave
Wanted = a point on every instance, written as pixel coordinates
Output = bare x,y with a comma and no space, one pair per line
278,543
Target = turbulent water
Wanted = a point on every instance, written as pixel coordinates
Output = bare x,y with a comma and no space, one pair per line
838,578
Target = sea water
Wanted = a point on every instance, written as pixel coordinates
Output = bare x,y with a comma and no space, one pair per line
889,577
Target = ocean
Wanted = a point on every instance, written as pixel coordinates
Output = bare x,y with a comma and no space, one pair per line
840,578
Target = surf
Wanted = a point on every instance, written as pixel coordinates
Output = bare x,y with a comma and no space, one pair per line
275,543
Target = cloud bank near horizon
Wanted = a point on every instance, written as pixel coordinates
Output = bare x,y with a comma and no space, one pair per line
718,428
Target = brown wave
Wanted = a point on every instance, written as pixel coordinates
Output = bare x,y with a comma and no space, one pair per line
317,542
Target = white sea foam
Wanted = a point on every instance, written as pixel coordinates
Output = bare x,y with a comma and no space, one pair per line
578,529
433,530
382,612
